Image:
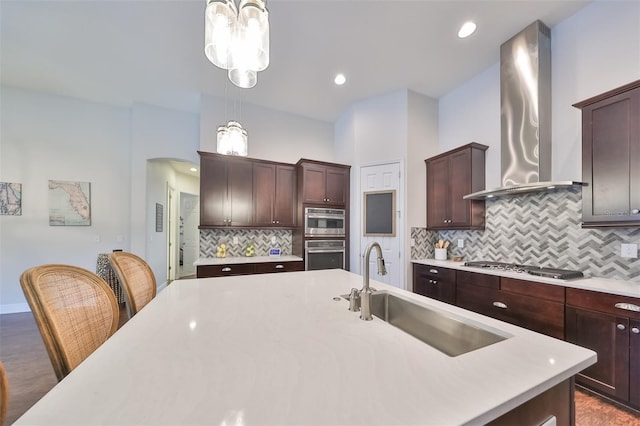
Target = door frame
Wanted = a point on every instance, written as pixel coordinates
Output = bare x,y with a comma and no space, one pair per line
172,226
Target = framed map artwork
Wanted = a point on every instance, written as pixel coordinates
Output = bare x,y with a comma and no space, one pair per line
69,203
10,199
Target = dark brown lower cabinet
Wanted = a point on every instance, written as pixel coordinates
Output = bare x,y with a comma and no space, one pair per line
435,282
556,402
606,323
212,271
535,306
603,323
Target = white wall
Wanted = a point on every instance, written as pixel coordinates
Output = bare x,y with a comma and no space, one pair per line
273,135
371,131
52,137
156,133
422,143
47,137
397,126
595,50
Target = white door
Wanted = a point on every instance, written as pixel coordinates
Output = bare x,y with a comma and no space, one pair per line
384,177
189,233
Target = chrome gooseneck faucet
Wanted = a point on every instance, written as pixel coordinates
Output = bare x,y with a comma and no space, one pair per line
365,293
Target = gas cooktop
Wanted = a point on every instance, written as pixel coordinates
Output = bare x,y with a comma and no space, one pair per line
561,274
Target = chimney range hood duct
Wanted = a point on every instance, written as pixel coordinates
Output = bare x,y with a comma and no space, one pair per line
525,101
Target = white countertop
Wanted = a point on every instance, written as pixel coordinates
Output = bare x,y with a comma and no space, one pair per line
619,287
245,259
278,349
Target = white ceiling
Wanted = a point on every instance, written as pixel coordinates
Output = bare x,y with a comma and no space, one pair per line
120,52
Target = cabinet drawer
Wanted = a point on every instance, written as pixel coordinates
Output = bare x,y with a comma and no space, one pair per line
205,271
543,316
482,280
270,267
603,302
529,288
443,274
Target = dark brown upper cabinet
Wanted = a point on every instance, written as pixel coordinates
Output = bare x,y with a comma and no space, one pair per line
611,157
324,183
450,176
274,194
226,191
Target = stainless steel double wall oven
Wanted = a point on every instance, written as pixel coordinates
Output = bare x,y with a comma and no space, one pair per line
324,234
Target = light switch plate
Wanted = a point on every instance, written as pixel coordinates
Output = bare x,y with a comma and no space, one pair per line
629,250
460,243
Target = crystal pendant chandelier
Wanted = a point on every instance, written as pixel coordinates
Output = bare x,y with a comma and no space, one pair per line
237,38
232,139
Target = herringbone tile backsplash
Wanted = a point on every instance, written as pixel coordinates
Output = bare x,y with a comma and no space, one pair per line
541,229
210,239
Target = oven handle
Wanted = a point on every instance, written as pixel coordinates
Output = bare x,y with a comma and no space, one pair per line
324,216
313,250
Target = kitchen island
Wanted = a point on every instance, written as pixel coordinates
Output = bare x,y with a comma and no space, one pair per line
284,349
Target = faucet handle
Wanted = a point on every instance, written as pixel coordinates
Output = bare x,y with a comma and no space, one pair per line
354,300
382,269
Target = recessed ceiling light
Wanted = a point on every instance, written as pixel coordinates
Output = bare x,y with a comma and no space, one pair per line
193,169
340,79
467,29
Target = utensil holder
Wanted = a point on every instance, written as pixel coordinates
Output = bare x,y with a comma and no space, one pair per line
441,254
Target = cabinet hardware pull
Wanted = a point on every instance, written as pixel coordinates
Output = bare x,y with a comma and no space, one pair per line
433,281
628,307
433,271
635,211
635,330
500,305
621,326
279,266
226,269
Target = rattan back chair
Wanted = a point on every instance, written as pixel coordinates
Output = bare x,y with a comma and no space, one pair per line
75,310
136,278
4,394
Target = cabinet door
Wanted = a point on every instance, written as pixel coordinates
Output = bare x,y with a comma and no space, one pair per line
459,186
634,366
611,159
240,193
314,181
436,283
607,335
264,188
213,192
336,184
438,193
284,209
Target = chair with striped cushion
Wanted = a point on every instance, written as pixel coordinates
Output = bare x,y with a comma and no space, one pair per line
136,278
75,311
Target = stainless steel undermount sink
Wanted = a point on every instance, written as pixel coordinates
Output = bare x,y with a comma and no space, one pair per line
449,334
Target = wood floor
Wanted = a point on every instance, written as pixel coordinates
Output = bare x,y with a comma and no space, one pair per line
31,375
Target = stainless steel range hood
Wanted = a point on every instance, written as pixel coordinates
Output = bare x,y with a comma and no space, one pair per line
525,103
